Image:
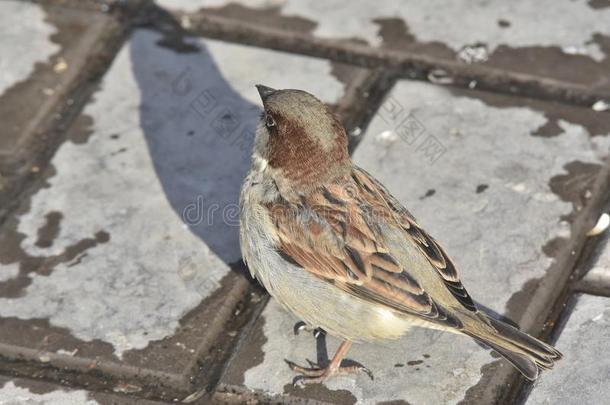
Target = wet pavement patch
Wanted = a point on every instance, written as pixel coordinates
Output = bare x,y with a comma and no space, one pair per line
340,397
556,114
49,231
576,185
11,253
39,392
490,38
34,82
481,188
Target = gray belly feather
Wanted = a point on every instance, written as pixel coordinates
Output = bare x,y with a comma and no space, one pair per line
313,300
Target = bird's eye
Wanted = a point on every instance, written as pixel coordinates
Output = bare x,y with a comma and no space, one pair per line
269,121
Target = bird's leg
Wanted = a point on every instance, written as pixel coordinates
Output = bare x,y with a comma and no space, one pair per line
317,374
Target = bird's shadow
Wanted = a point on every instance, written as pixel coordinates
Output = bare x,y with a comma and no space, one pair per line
199,131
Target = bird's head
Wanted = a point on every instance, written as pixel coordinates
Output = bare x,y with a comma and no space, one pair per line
299,137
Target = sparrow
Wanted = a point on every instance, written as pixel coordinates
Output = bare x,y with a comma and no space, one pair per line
335,248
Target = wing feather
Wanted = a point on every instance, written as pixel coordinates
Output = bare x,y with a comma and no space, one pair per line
433,251
331,235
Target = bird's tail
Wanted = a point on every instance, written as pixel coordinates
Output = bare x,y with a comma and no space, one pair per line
528,354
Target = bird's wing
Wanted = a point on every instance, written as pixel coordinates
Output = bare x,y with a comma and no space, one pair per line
426,243
333,235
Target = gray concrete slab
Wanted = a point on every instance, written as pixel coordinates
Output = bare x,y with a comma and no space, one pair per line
19,391
127,250
569,45
479,175
36,78
435,21
18,63
585,340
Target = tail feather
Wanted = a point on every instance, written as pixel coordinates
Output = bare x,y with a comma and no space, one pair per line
522,362
528,354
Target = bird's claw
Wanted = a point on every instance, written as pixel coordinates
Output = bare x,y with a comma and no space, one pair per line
316,374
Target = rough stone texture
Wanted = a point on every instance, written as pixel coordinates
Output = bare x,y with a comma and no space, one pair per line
12,394
471,168
132,233
28,392
34,79
583,377
571,44
145,276
512,173
18,63
570,24
120,269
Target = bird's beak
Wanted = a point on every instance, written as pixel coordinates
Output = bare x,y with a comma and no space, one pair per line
264,91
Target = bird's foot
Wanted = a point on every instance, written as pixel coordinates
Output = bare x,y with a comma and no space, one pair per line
316,374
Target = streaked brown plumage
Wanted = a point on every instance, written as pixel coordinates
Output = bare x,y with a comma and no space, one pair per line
333,246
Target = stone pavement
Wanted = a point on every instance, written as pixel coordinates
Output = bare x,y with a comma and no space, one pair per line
127,131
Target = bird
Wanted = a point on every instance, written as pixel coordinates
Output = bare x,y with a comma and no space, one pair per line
331,244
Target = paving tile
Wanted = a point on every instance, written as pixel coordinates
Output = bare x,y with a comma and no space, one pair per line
125,259
18,63
18,391
35,77
476,172
585,339
570,45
